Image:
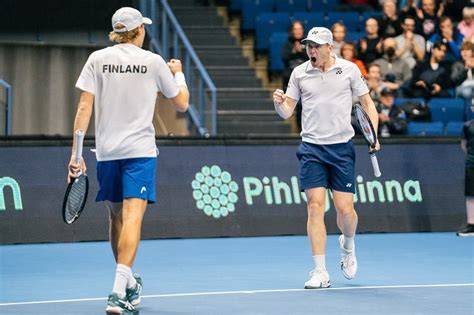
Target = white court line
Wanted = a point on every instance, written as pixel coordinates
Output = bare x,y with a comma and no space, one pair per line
407,286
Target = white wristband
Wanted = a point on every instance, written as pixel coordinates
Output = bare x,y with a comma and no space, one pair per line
180,79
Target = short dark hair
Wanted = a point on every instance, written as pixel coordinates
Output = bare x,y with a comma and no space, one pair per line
440,44
387,92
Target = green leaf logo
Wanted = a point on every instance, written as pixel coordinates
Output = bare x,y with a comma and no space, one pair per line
214,191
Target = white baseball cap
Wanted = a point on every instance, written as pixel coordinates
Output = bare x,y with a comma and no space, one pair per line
130,18
319,35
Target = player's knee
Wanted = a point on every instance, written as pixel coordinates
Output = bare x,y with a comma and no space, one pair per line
315,209
346,210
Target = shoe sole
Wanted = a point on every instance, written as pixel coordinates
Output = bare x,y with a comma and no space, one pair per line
465,234
113,310
346,275
136,302
320,287
124,312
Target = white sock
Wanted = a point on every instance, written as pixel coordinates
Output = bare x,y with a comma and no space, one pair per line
132,282
319,262
122,274
348,243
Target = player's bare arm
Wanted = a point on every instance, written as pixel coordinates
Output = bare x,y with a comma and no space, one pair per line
82,120
180,101
284,105
369,107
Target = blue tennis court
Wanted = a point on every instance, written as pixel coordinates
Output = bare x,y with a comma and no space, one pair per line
406,273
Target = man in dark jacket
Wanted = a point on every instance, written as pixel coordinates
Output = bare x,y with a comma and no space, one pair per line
431,78
392,120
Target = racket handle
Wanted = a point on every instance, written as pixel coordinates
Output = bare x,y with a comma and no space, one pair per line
79,142
375,165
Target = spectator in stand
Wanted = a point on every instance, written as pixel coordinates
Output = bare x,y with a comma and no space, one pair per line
408,7
389,22
431,78
374,82
395,71
450,36
454,8
427,18
466,26
392,120
462,74
339,32
369,47
349,52
411,46
294,54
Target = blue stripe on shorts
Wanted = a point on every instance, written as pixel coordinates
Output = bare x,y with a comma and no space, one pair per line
127,178
331,166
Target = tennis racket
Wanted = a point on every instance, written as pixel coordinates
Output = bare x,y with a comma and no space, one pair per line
369,134
76,193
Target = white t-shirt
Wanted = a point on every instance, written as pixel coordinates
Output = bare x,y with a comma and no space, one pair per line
125,80
327,100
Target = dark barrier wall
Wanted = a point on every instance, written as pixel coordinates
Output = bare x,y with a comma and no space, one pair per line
234,190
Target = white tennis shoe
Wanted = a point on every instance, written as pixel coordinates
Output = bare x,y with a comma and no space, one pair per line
319,279
348,260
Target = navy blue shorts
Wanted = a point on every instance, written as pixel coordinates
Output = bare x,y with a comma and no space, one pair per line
330,166
127,178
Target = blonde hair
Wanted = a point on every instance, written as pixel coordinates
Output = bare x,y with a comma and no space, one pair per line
125,37
468,12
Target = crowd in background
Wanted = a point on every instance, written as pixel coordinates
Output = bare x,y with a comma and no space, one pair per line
415,49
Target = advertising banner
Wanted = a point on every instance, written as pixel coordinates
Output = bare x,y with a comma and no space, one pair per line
234,190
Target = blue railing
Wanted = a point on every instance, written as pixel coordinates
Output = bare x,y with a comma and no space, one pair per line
169,40
8,107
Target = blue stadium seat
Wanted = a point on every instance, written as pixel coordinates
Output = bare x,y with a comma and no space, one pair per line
323,5
277,40
251,9
235,6
349,19
425,128
309,19
400,100
291,6
267,24
454,128
446,109
353,37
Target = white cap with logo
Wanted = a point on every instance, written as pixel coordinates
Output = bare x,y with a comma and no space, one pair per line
130,18
319,35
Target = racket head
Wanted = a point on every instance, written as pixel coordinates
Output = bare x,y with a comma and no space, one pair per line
75,198
366,127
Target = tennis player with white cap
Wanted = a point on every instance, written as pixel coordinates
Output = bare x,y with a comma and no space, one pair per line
326,85
123,82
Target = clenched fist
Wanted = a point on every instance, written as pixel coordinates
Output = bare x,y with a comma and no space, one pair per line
279,97
175,66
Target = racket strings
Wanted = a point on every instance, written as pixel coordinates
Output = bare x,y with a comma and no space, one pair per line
76,197
365,126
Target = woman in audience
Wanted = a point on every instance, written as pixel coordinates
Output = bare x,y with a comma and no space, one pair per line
294,54
466,26
348,52
462,73
339,32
